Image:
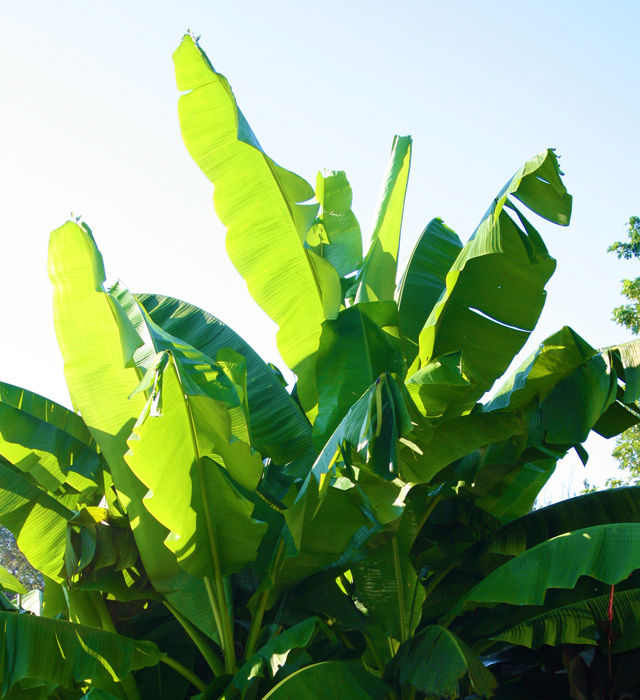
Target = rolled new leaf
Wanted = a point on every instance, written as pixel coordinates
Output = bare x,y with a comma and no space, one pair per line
377,278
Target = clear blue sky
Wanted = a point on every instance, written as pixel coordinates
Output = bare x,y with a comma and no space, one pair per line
89,125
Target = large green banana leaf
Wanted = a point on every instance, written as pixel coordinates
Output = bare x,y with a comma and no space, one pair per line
436,662
336,235
389,589
423,280
578,624
602,507
209,519
62,653
36,519
495,289
260,204
355,349
46,440
318,534
329,680
331,522
377,279
608,553
87,323
455,438
278,428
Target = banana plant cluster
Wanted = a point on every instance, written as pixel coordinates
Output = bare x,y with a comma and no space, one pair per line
204,532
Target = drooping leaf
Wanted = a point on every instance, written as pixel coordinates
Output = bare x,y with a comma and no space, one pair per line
377,278
555,358
495,289
329,680
260,203
278,428
88,325
46,440
578,623
423,280
37,521
575,404
608,553
436,662
189,493
60,652
336,234
602,507
355,349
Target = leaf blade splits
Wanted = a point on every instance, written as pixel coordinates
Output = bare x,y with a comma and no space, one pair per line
260,204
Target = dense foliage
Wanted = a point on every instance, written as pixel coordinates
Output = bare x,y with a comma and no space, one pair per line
202,532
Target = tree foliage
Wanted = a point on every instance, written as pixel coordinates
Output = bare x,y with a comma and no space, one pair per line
202,532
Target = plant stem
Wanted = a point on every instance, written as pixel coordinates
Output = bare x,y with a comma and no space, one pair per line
226,628
378,661
128,683
256,622
209,654
400,588
184,671
426,514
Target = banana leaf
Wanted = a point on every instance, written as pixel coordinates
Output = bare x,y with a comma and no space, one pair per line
555,358
46,440
495,289
88,325
389,589
262,206
36,519
377,278
336,235
63,653
279,429
608,553
581,623
329,680
423,280
613,506
10,583
355,349
436,662
272,656
207,516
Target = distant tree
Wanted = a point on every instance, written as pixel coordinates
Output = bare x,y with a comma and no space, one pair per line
14,561
627,449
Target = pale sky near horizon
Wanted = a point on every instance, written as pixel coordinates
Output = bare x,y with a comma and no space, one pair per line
89,126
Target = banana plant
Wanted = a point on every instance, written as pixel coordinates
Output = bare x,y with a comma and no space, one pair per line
204,532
